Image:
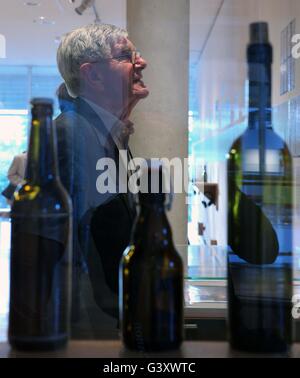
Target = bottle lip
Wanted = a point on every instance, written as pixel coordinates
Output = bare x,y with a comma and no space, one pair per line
261,53
259,33
44,101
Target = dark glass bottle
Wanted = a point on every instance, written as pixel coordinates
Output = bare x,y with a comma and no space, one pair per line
205,174
40,245
151,280
260,218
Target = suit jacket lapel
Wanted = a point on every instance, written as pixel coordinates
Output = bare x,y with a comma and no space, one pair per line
85,110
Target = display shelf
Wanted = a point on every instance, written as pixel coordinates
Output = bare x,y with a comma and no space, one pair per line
114,349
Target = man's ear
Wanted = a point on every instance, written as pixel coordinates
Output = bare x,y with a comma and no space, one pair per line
91,76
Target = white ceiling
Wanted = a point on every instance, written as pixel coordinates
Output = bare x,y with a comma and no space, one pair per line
30,43
202,16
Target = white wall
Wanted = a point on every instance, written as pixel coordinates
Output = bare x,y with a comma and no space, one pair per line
161,30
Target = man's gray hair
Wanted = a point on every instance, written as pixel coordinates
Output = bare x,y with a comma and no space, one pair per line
88,44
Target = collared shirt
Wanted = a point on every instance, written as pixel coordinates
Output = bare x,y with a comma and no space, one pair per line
116,128
112,124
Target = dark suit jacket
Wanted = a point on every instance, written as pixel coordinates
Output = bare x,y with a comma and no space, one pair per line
102,223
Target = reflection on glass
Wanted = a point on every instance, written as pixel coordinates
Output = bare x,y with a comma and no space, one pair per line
273,161
260,219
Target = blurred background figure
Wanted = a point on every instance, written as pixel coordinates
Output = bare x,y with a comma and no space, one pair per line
15,175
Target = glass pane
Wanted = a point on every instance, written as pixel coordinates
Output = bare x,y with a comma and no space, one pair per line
219,107
193,61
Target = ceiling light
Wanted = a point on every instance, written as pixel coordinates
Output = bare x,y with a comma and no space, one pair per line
32,3
44,21
85,4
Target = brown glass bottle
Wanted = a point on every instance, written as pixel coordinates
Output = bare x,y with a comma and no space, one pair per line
151,281
40,281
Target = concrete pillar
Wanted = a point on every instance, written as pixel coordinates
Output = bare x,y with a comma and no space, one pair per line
160,31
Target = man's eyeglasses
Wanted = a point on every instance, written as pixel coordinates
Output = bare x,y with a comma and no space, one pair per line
130,57
126,57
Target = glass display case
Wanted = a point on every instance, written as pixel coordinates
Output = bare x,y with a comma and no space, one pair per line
190,55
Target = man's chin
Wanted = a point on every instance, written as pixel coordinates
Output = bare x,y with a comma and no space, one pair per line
140,92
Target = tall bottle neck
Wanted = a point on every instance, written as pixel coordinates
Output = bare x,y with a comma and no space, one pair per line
152,224
152,207
42,164
156,208
260,86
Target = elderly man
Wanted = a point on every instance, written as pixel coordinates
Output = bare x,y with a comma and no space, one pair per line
103,72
